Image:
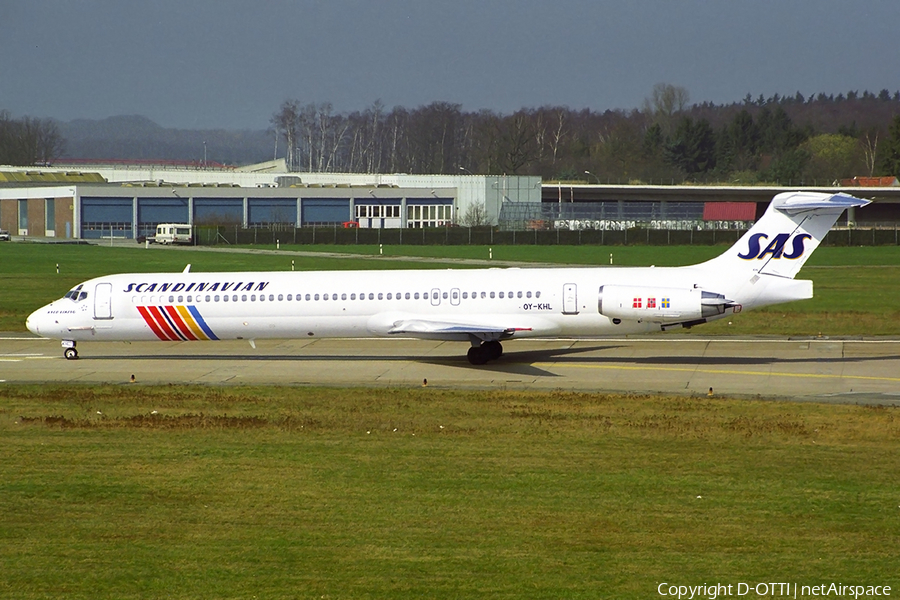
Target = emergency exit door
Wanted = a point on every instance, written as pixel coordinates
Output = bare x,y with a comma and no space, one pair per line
570,299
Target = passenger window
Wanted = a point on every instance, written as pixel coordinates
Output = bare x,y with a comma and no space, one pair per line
416,296
216,298
271,297
528,294
407,295
501,294
225,298
343,296
380,296
243,298
445,295
371,296
171,299
207,299
307,297
483,296
389,296
353,296
492,294
233,298
518,294
316,296
290,297
334,296
455,294
325,297
280,297
537,294
465,295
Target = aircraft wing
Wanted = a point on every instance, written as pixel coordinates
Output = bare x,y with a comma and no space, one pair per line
485,328
432,329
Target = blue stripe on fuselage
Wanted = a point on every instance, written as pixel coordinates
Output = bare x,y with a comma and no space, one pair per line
202,323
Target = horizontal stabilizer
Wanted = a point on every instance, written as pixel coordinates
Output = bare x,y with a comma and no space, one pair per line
794,202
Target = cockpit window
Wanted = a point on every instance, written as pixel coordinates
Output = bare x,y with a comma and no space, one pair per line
75,294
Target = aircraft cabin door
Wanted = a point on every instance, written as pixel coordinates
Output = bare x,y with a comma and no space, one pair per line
103,301
570,299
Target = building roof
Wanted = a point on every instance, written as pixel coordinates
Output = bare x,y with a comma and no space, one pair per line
729,211
870,182
26,177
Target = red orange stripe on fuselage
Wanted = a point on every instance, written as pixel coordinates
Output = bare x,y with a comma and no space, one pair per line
172,323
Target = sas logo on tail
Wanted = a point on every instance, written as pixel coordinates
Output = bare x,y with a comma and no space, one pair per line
775,248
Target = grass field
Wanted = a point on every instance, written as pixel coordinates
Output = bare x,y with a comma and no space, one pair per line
857,289
137,492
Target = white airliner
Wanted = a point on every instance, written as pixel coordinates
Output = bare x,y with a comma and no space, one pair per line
481,306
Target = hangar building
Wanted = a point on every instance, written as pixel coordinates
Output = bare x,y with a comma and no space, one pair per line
130,202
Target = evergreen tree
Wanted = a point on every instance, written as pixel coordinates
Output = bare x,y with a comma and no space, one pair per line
692,147
890,162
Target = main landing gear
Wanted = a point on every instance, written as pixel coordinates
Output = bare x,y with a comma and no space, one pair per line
479,355
69,350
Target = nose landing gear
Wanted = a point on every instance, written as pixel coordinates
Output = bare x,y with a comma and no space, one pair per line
479,355
69,350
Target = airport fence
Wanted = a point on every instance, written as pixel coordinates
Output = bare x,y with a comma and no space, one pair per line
860,235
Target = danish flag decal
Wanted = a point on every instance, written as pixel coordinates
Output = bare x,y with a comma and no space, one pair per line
775,248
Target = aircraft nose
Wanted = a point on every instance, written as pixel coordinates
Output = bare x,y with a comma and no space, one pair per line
33,322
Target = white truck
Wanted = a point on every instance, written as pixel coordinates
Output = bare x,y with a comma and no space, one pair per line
174,233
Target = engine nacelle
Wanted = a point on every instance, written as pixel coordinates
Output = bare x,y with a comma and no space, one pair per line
659,305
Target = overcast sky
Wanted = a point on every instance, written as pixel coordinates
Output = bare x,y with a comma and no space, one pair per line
230,64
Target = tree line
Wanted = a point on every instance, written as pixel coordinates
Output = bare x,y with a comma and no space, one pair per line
28,141
779,139
789,139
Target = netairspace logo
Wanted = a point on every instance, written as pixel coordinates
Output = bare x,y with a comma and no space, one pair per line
775,590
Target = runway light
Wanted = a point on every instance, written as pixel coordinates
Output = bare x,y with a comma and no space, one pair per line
710,392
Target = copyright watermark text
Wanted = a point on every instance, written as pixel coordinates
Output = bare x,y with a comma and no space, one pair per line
773,589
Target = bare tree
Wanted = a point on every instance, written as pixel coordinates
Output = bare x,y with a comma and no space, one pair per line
29,141
870,149
287,122
666,100
475,215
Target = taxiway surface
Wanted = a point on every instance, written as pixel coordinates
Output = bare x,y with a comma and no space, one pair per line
836,370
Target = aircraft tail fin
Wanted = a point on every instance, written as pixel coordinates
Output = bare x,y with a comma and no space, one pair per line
787,234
